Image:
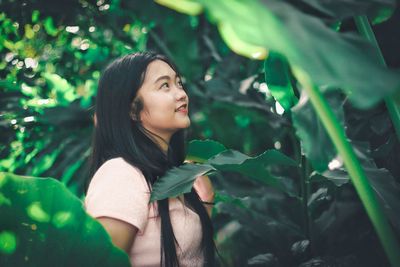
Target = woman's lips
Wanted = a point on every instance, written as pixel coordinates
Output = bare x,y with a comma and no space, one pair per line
183,110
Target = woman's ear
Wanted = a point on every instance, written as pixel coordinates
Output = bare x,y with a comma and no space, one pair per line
136,107
133,115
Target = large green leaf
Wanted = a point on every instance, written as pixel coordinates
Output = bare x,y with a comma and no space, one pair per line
238,45
184,6
180,180
377,10
43,224
268,217
200,151
386,188
332,59
258,168
277,77
315,141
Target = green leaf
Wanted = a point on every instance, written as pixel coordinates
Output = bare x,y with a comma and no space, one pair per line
35,16
184,6
49,27
178,181
29,33
315,141
65,92
202,150
277,78
267,259
43,214
386,188
338,177
239,46
8,242
258,168
332,59
377,10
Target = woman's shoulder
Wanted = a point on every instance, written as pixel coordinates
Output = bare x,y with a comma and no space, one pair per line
118,169
118,165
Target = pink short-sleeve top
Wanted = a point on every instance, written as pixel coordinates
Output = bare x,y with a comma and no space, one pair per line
119,190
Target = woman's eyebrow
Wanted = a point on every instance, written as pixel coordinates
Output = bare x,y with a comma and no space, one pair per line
166,77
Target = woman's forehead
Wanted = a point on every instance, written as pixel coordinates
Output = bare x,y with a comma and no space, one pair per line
157,69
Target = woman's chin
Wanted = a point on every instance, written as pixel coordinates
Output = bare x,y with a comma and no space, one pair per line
184,123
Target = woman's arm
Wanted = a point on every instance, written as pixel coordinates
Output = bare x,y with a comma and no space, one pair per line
206,193
122,233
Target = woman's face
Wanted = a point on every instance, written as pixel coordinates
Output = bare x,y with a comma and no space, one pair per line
165,103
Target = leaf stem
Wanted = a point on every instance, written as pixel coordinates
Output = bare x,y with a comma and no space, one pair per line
357,175
366,31
304,188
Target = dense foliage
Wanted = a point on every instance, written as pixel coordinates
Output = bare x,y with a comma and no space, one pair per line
285,199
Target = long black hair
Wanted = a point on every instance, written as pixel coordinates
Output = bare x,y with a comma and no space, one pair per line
116,134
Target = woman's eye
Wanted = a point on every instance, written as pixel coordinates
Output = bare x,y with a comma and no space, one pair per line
180,84
165,85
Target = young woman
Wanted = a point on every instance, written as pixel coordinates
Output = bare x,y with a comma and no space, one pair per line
140,116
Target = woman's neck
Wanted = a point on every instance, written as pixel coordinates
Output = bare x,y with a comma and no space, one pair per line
163,144
161,141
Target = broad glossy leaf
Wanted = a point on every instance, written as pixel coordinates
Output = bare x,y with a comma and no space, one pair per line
330,58
200,151
377,10
178,181
238,45
386,188
299,248
184,6
337,176
317,198
257,167
50,226
267,260
315,141
327,225
277,78
268,217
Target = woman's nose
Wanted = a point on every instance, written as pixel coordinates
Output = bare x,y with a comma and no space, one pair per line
180,94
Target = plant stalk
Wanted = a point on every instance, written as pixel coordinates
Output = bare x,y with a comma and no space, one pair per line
357,175
304,189
365,29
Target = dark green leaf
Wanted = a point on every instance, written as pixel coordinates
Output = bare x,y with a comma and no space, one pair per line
386,188
315,141
330,58
267,260
377,10
200,151
257,168
41,213
278,80
178,181
337,176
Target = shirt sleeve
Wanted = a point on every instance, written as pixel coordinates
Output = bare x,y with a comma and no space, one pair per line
119,190
204,188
